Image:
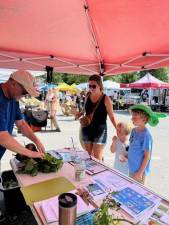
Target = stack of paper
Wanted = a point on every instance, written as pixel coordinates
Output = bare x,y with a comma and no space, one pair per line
50,208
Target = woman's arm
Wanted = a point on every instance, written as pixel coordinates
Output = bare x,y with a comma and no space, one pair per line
109,108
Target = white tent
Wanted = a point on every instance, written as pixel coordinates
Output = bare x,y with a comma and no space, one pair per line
108,84
82,86
5,73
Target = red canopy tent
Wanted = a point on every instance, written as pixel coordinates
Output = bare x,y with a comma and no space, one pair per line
146,82
84,36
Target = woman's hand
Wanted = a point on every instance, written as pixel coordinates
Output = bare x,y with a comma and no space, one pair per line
78,115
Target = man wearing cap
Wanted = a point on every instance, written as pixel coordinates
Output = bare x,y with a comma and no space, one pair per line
20,83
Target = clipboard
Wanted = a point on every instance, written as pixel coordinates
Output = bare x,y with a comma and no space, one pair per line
46,189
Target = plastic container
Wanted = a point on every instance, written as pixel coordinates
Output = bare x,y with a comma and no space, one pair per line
13,197
80,169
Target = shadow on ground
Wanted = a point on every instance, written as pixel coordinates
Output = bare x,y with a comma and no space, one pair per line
16,217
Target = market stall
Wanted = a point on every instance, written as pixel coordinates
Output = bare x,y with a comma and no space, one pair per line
147,82
144,205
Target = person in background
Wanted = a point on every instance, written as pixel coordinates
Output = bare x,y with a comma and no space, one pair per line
120,146
51,104
19,84
94,135
141,141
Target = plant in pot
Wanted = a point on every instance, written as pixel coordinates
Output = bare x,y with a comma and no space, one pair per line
105,215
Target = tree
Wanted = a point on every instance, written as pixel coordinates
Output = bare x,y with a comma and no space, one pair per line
125,78
69,78
161,73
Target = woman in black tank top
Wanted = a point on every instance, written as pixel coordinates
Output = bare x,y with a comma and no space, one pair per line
94,135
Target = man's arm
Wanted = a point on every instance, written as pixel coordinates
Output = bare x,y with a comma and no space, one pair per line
10,143
27,131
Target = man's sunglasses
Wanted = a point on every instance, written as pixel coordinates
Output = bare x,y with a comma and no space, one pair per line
92,86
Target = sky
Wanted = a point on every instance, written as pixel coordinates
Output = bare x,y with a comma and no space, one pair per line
5,73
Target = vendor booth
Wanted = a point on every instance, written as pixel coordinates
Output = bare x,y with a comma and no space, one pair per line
150,83
86,37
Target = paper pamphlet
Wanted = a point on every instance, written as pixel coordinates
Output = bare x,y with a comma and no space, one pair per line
109,181
160,216
92,167
96,190
133,202
66,154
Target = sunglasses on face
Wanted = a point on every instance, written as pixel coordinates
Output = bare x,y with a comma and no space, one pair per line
93,86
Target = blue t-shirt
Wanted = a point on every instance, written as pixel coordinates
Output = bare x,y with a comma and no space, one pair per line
139,143
9,113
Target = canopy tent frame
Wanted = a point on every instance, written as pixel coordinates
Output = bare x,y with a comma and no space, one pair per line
93,53
85,67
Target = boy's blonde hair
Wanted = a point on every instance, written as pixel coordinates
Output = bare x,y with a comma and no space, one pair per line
125,127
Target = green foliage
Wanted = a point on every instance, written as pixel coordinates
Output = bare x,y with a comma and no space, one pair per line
124,78
46,165
69,78
161,74
104,214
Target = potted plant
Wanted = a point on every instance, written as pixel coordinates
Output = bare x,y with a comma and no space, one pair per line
105,213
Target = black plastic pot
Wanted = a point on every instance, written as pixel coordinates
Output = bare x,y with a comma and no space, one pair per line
13,197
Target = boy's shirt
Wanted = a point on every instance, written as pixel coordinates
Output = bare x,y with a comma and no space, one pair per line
139,143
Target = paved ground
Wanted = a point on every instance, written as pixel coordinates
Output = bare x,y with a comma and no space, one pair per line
158,180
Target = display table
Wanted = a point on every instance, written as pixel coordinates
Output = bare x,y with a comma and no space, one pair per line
109,178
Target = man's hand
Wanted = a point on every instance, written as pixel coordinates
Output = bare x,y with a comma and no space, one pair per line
40,146
33,154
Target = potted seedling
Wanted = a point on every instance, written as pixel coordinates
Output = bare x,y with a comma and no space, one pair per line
105,213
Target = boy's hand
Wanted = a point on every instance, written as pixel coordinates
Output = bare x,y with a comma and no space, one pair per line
138,176
114,138
122,158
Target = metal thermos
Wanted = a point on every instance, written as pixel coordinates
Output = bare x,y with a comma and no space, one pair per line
67,209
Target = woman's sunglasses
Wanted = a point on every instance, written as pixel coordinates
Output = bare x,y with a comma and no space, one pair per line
92,86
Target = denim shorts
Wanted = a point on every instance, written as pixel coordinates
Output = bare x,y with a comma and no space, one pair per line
95,134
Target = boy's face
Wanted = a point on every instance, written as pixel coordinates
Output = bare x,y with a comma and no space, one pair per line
138,119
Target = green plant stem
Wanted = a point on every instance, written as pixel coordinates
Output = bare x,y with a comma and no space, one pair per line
123,220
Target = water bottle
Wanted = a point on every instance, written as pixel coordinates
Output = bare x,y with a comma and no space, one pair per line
67,209
73,155
80,169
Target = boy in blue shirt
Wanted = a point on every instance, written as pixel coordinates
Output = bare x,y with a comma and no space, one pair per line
141,142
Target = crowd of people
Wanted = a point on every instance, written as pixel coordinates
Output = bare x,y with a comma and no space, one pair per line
132,146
